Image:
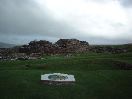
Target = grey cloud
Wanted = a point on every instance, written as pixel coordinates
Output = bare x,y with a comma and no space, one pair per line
126,3
25,18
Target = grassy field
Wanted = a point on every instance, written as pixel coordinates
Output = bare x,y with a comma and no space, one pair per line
97,77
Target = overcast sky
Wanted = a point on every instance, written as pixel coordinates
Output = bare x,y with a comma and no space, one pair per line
96,21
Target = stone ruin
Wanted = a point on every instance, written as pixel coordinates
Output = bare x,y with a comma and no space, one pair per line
72,46
60,47
41,46
107,49
36,49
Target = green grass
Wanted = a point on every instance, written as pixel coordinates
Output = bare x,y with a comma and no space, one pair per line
96,77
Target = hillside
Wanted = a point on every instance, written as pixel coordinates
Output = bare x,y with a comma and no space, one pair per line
6,45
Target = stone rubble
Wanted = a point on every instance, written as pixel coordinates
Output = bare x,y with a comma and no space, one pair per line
36,49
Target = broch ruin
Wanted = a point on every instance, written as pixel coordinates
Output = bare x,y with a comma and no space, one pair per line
36,49
61,46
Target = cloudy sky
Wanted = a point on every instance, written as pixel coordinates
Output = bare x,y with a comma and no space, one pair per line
96,21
